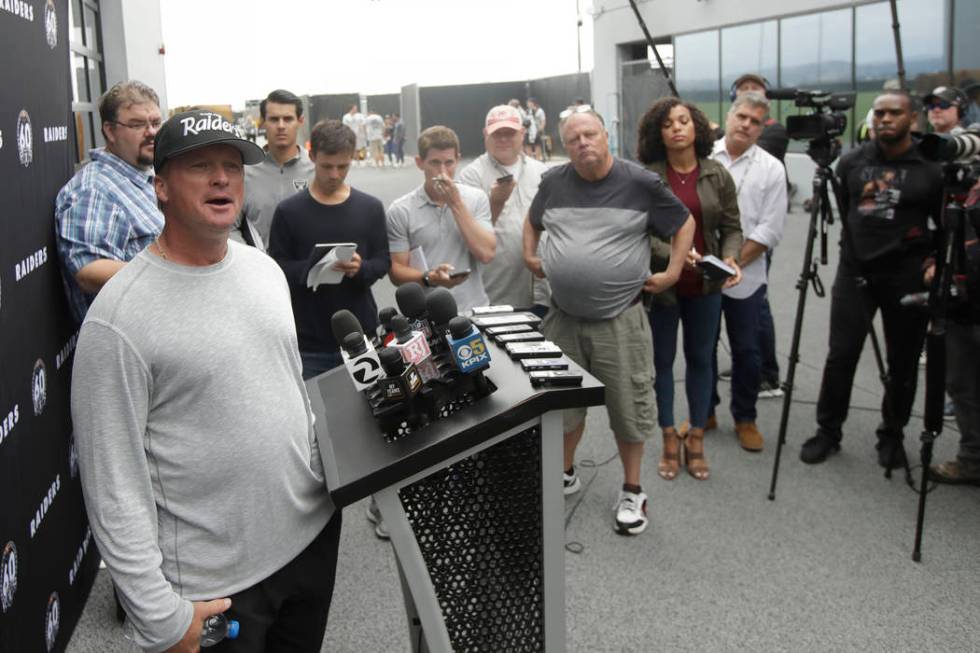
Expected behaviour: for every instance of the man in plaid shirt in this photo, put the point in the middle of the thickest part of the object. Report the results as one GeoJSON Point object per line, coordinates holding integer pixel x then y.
{"type": "Point", "coordinates": [107, 213]}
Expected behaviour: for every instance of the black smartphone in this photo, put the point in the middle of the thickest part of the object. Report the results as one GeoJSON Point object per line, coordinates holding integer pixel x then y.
{"type": "Point", "coordinates": [506, 179]}
{"type": "Point", "coordinates": [555, 377]}
{"type": "Point", "coordinates": [519, 350]}
{"type": "Point", "coordinates": [510, 328]}
{"type": "Point", "coordinates": [534, 364]}
{"type": "Point", "coordinates": [526, 336]}
{"type": "Point", "coordinates": [456, 274]}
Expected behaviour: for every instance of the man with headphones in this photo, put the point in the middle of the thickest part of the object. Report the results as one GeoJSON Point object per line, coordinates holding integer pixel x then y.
{"type": "Point", "coordinates": [774, 139]}
{"type": "Point", "coordinates": [944, 109]}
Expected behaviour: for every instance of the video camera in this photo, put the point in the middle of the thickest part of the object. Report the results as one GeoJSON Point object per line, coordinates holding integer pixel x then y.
{"type": "Point", "coordinates": [827, 120]}
{"type": "Point", "coordinates": [959, 154]}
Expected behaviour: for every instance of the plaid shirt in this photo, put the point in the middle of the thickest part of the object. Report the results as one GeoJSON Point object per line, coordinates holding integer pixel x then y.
{"type": "Point", "coordinates": [108, 210]}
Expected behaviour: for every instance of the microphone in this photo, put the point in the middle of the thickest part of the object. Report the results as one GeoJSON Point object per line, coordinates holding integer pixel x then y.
{"type": "Point", "coordinates": [468, 348]}
{"type": "Point", "coordinates": [361, 361]}
{"type": "Point", "coordinates": [411, 302]}
{"type": "Point", "coordinates": [442, 308]}
{"type": "Point", "coordinates": [385, 332]}
{"type": "Point", "coordinates": [343, 322]}
{"type": "Point", "coordinates": [401, 381]}
{"type": "Point", "coordinates": [414, 348]}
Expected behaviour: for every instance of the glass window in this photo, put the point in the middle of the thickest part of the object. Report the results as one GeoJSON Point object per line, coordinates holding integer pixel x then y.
{"type": "Point", "coordinates": [924, 48]}
{"type": "Point", "coordinates": [91, 28]}
{"type": "Point", "coordinates": [95, 79]}
{"type": "Point", "coordinates": [749, 49]}
{"type": "Point", "coordinates": [74, 13]}
{"type": "Point", "coordinates": [966, 54]}
{"type": "Point", "coordinates": [79, 83]}
{"type": "Point", "coordinates": [696, 71]}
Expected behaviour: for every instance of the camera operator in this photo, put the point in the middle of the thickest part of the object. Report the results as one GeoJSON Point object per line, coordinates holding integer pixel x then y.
{"type": "Point", "coordinates": [888, 192]}
{"type": "Point", "coordinates": [945, 107]}
{"type": "Point", "coordinates": [962, 372]}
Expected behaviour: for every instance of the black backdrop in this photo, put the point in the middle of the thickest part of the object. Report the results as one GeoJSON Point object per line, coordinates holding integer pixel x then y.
{"type": "Point", "coordinates": [324, 107]}
{"type": "Point", "coordinates": [47, 559]}
{"type": "Point", "coordinates": [464, 109]}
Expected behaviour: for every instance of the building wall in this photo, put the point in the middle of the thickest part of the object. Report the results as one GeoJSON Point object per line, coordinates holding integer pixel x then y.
{"type": "Point", "coordinates": [132, 35]}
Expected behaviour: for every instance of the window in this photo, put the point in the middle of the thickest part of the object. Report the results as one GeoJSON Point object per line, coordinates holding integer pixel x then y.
{"type": "Point", "coordinates": [88, 74]}
{"type": "Point", "coordinates": [696, 70]}
{"type": "Point", "coordinates": [749, 48]}
{"type": "Point", "coordinates": [966, 54]}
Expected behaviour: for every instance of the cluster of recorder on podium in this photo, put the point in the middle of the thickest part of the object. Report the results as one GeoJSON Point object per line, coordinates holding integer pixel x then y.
{"type": "Point", "coordinates": [428, 362]}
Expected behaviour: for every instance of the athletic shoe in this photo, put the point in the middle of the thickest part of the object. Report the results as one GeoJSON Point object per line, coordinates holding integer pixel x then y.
{"type": "Point", "coordinates": [949, 411]}
{"type": "Point", "coordinates": [725, 375]}
{"type": "Point", "coordinates": [770, 390]}
{"type": "Point", "coordinates": [956, 473]}
{"type": "Point", "coordinates": [572, 482]}
{"type": "Point", "coordinates": [374, 516]}
{"type": "Point", "coordinates": [816, 449]}
{"type": "Point", "coordinates": [631, 513]}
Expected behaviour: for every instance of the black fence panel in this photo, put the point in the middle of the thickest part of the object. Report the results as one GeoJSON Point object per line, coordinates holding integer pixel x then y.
{"type": "Point", "coordinates": [555, 94]}
{"type": "Point", "coordinates": [384, 104]}
{"type": "Point", "coordinates": [464, 108]}
{"type": "Point", "coordinates": [333, 106]}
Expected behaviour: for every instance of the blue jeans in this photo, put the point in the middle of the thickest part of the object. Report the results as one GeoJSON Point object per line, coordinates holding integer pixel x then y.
{"type": "Point", "coordinates": [742, 327]}
{"type": "Point", "coordinates": [316, 363]}
{"type": "Point", "coordinates": [767, 336]}
{"type": "Point", "coordinates": [699, 317]}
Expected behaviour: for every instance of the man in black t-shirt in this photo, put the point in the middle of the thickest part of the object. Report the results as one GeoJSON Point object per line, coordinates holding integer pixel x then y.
{"type": "Point", "coordinates": [330, 211]}
{"type": "Point", "coordinates": [888, 192]}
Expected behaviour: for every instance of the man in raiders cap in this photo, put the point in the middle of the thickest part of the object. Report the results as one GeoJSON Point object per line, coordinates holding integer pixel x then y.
{"type": "Point", "coordinates": [199, 461]}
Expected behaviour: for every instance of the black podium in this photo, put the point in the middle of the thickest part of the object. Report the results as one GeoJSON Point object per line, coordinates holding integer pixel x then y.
{"type": "Point", "coordinates": [473, 503]}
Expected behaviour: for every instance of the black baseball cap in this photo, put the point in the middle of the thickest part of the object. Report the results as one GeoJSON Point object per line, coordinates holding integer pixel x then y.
{"type": "Point", "coordinates": [950, 94]}
{"type": "Point", "coordinates": [190, 130]}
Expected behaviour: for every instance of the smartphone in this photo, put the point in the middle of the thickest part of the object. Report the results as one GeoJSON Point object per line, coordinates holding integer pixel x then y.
{"type": "Point", "coordinates": [555, 377]}
{"type": "Point", "coordinates": [492, 310]}
{"type": "Point", "coordinates": [526, 336]}
{"type": "Point", "coordinates": [535, 364]}
{"type": "Point", "coordinates": [456, 274]}
{"type": "Point", "coordinates": [484, 321]}
{"type": "Point", "coordinates": [510, 328]}
{"type": "Point", "coordinates": [506, 179]}
{"type": "Point", "coordinates": [519, 350]}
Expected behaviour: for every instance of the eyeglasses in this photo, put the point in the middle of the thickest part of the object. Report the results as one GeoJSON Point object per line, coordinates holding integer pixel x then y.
{"type": "Point", "coordinates": [941, 104]}
{"type": "Point", "coordinates": [140, 126]}
{"type": "Point", "coordinates": [580, 108]}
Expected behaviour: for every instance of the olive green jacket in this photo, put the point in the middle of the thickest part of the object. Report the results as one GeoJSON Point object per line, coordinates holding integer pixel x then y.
{"type": "Point", "coordinates": [720, 219]}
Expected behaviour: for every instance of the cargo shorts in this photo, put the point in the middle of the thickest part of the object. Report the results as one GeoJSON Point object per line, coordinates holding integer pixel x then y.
{"type": "Point", "coordinates": [618, 352]}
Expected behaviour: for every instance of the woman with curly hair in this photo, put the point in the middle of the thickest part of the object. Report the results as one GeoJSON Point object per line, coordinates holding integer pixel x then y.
{"type": "Point", "coordinates": [675, 140]}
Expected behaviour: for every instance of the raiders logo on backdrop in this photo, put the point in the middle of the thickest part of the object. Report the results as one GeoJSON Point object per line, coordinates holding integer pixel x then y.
{"type": "Point", "coordinates": [25, 139]}
{"type": "Point", "coordinates": [52, 620]}
{"type": "Point", "coordinates": [301, 184]}
{"type": "Point", "coordinates": [39, 387]}
{"type": "Point", "coordinates": [72, 457]}
{"type": "Point", "coordinates": [8, 576]}
{"type": "Point", "coordinates": [51, 24]}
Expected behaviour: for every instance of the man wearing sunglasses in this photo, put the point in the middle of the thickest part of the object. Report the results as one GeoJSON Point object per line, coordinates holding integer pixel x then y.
{"type": "Point", "coordinates": [944, 109]}
{"type": "Point", "coordinates": [107, 213]}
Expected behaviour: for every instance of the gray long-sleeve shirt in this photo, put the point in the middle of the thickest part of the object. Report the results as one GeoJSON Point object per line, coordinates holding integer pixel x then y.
{"type": "Point", "coordinates": [198, 457]}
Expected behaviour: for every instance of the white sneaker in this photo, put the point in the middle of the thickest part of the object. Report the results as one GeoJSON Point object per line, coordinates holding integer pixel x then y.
{"type": "Point", "coordinates": [374, 516]}
{"type": "Point", "coordinates": [572, 482]}
{"type": "Point", "coordinates": [631, 513]}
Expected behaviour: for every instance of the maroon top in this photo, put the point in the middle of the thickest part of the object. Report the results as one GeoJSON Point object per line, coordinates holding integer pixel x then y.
{"type": "Point", "coordinates": [685, 187]}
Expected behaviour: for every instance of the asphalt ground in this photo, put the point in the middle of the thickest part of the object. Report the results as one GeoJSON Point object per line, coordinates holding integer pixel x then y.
{"type": "Point", "coordinates": [825, 567]}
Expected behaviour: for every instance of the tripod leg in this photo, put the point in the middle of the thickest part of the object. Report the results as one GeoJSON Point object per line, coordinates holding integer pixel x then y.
{"type": "Point", "coordinates": [794, 351]}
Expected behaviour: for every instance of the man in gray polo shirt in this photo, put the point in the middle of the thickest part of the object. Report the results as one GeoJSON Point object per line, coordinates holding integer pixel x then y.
{"type": "Point", "coordinates": [286, 169]}
{"type": "Point", "coordinates": [440, 234]}
{"type": "Point", "coordinates": [599, 212]}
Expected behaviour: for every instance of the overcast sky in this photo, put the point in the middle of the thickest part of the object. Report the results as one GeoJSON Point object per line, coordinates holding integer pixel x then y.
{"type": "Point", "coordinates": [228, 51]}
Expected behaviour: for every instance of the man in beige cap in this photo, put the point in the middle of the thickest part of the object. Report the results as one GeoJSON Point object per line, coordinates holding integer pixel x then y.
{"type": "Point", "coordinates": [510, 178]}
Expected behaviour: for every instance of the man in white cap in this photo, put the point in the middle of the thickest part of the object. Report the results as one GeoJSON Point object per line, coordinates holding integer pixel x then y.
{"type": "Point", "coordinates": [199, 461]}
{"type": "Point", "coordinates": [510, 178]}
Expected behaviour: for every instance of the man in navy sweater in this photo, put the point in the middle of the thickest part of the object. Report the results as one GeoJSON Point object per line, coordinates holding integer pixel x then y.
{"type": "Point", "coordinates": [330, 211]}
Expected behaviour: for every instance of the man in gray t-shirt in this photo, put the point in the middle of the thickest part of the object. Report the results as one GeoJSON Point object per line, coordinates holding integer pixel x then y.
{"type": "Point", "coordinates": [198, 456]}
{"type": "Point", "coordinates": [440, 234]}
{"type": "Point", "coordinates": [599, 212]}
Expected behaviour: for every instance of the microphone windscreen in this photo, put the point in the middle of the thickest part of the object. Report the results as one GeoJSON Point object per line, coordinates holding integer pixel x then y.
{"type": "Point", "coordinates": [411, 299]}
{"type": "Point", "coordinates": [460, 326]}
{"type": "Point", "coordinates": [441, 305]}
{"type": "Point", "coordinates": [385, 315]}
{"type": "Point", "coordinates": [781, 93]}
{"type": "Point", "coordinates": [401, 327]}
{"type": "Point", "coordinates": [344, 322]}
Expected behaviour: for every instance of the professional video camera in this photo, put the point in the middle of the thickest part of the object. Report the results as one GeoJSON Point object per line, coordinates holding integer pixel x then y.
{"type": "Point", "coordinates": [959, 154]}
{"type": "Point", "coordinates": [822, 125]}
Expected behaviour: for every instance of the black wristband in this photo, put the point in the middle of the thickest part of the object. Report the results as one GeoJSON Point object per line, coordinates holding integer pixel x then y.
{"type": "Point", "coordinates": [425, 279]}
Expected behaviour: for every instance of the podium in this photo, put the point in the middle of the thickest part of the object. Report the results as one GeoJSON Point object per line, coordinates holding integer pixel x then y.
{"type": "Point", "coordinates": [473, 503]}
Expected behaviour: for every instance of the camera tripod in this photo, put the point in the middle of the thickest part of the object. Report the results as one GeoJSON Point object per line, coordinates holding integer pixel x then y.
{"type": "Point", "coordinates": [940, 296]}
{"type": "Point", "coordinates": [823, 152]}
